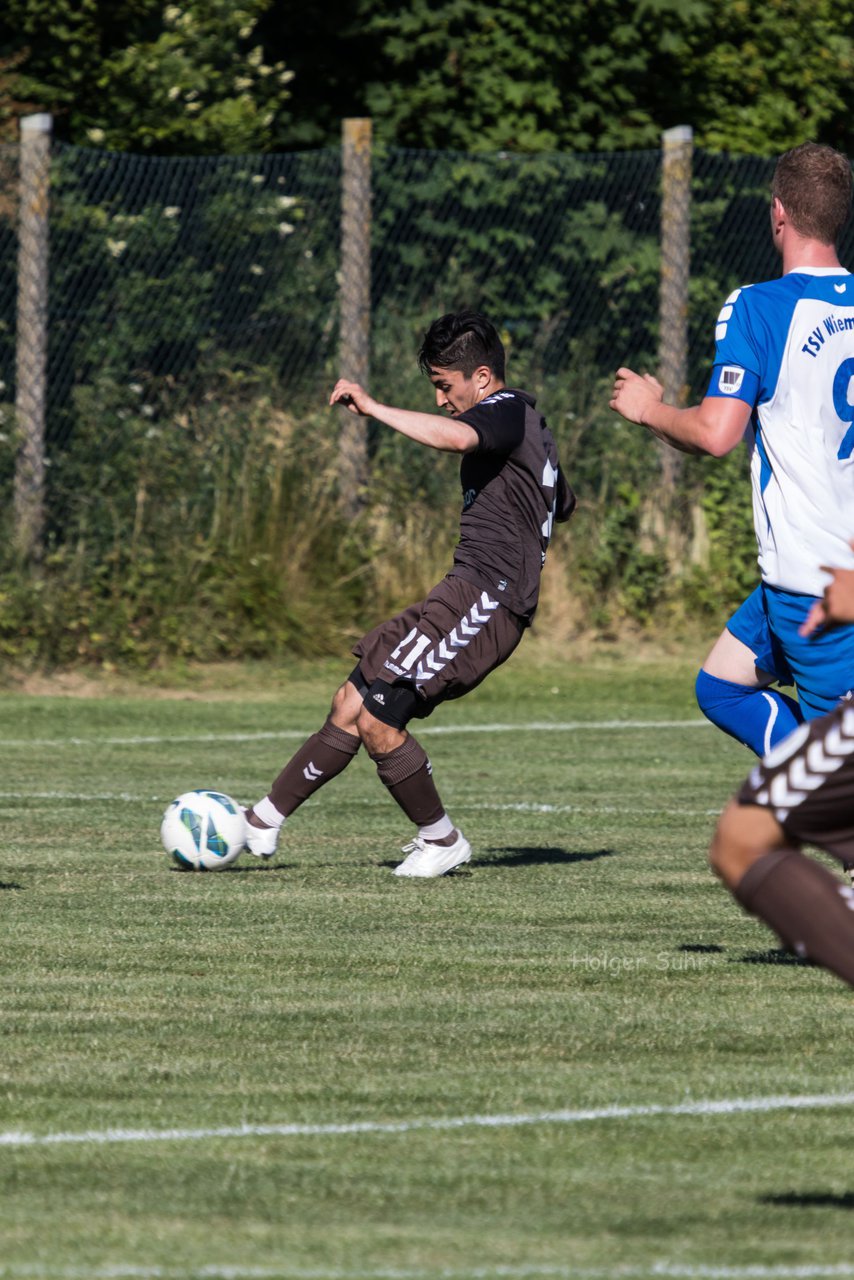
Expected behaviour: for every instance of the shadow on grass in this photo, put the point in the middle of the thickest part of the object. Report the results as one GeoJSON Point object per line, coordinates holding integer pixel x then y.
{"type": "Point", "coordinates": [9, 884]}
{"type": "Point", "coordinates": [701, 948]}
{"type": "Point", "coordinates": [529, 856]}
{"type": "Point", "coordinates": [243, 870]}
{"type": "Point", "coordinates": [778, 955]}
{"type": "Point", "coordinates": [267, 869]}
{"type": "Point", "coordinates": [811, 1200]}
{"type": "Point", "coordinates": [518, 857]}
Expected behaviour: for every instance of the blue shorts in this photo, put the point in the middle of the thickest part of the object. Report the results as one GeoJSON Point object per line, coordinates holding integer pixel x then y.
{"type": "Point", "coordinates": [821, 666]}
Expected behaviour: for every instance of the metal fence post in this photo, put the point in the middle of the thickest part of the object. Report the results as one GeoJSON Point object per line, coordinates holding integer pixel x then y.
{"type": "Point", "coordinates": [31, 341]}
{"type": "Point", "coordinates": [355, 301]}
{"type": "Point", "coordinates": [677, 148]}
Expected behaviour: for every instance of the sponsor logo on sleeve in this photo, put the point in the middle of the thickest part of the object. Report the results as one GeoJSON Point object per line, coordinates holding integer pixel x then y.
{"type": "Point", "coordinates": [730, 379]}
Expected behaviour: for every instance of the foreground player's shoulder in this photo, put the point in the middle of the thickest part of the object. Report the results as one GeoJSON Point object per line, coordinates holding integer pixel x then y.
{"type": "Point", "coordinates": [737, 355]}
{"type": "Point", "coordinates": [772, 302]}
{"type": "Point", "coordinates": [733, 315]}
{"type": "Point", "coordinates": [750, 333]}
{"type": "Point", "coordinates": [751, 300]}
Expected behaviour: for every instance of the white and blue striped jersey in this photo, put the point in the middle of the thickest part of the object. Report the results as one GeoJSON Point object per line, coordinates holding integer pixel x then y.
{"type": "Point", "coordinates": [786, 348]}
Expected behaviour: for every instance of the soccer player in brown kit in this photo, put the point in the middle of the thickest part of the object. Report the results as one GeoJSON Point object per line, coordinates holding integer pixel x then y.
{"type": "Point", "coordinates": [801, 793]}
{"type": "Point", "coordinates": [445, 645]}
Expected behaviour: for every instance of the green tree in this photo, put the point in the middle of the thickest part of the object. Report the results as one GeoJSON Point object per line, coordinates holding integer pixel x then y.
{"type": "Point", "coordinates": [202, 76]}
{"type": "Point", "coordinates": [768, 75]}
{"type": "Point", "coordinates": [751, 76]}
{"type": "Point", "coordinates": [526, 74]}
{"type": "Point", "coordinates": [143, 76]}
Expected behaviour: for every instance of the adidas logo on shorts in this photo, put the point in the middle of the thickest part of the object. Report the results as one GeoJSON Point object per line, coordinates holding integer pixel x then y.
{"type": "Point", "coordinates": [379, 697]}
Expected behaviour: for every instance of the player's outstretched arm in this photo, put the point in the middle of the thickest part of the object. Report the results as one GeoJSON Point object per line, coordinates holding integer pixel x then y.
{"type": "Point", "coordinates": [445, 434]}
{"type": "Point", "coordinates": [714, 426]}
{"type": "Point", "coordinates": [838, 603]}
{"type": "Point", "coordinates": [352, 396]}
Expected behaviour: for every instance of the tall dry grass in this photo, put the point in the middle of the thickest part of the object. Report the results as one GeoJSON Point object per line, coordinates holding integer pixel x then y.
{"type": "Point", "coordinates": [213, 531]}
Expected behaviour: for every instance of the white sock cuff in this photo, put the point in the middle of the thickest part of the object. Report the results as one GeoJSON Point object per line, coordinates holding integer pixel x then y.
{"type": "Point", "coordinates": [267, 812]}
{"type": "Point", "coordinates": [436, 830]}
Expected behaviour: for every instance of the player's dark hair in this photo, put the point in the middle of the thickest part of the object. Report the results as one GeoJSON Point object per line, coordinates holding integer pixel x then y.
{"type": "Point", "coordinates": [813, 184]}
{"type": "Point", "coordinates": [462, 340]}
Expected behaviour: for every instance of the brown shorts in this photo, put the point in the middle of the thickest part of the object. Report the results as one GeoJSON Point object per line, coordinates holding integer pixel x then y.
{"type": "Point", "coordinates": [807, 782]}
{"type": "Point", "coordinates": [435, 650]}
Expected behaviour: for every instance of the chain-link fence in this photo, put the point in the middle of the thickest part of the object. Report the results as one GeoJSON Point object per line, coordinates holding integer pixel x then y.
{"type": "Point", "coordinates": [163, 270]}
{"type": "Point", "coordinates": [167, 276]}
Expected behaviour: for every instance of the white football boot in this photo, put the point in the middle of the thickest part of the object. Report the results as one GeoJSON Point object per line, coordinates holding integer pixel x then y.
{"type": "Point", "coordinates": [261, 841]}
{"type": "Point", "coordinates": [426, 859]}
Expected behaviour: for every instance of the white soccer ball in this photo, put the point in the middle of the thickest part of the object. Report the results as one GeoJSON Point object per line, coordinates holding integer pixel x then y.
{"type": "Point", "coordinates": [203, 830]}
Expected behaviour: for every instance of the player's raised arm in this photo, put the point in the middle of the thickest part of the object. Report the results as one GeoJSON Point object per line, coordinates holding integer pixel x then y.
{"type": "Point", "coordinates": [715, 426]}
{"type": "Point", "coordinates": [430, 429]}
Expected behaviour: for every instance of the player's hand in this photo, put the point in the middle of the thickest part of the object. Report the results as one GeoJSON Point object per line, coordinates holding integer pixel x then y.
{"type": "Point", "coordinates": [634, 393]}
{"type": "Point", "coordinates": [837, 605]}
{"type": "Point", "coordinates": [352, 396]}
{"type": "Point", "coordinates": [817, 617]}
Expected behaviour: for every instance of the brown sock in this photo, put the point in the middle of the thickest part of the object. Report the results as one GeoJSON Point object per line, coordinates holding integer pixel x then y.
{"type": "Point", "coordinates": [406, 773]}
{"type": "Point", "coordinates": [326, 754]}
{"type": "Point", "coordinates": [805, 905]}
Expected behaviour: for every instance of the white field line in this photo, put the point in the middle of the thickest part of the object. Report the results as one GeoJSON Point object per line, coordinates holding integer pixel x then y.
{"type": "Point", "coordinates": [531, 806]}
{"type": "Point", "coordinates": [655, 1271]}
{"type": "Point", "coordinates": [281, 735]}
{"type": "Point", "coordinates": [725, 1107]}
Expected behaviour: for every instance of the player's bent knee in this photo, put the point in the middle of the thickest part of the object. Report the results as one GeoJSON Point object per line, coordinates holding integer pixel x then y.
{"type": "Point", "coordinates": [744, 834]}
{"type": "Point", "coordinates": [346, 705]}
{"type": "Point", "coordinates": [379, 738]}
{"type": "Point", "coordinates": [724, 842]}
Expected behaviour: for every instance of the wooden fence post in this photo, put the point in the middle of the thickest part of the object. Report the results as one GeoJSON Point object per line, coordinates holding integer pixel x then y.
{"type": "Point", "coordinates": [677, 148]}
{"type": "Point", "coordinates": [355, 302]}
{"type": "Point", "coordinates": [31, 338]}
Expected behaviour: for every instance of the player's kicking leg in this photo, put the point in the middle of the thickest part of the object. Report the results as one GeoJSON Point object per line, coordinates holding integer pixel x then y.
{"type": "Point", "coordinates": [402, 766]}
{"type": "Point", "coordinates": [801, 792]}
{"type": "Point", "coordinates": [320, 759]}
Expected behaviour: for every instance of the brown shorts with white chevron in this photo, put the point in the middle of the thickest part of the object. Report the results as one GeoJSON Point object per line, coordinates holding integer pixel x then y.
{"type": "Point", "coordinates": [807, 782]}
{"type": "Point", "coordinates": [433, 651]}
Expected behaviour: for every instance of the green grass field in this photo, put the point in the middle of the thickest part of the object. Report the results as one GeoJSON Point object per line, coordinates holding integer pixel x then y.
{"type": "Point", "coordinates": [307, 1030]}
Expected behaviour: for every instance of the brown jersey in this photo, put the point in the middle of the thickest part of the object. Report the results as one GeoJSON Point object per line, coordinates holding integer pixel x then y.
{"type": "Point", "coordinates": [513, 491]}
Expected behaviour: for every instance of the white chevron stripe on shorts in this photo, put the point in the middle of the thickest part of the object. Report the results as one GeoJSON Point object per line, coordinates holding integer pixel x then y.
{"type": "Point", "coordinates": [805, 772]}
{"type": "Point", "coordinates": [437, 658]}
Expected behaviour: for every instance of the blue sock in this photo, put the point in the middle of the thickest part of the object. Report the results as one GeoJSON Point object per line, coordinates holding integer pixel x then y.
{"type": "Point", "coordinates": [760, 718]}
